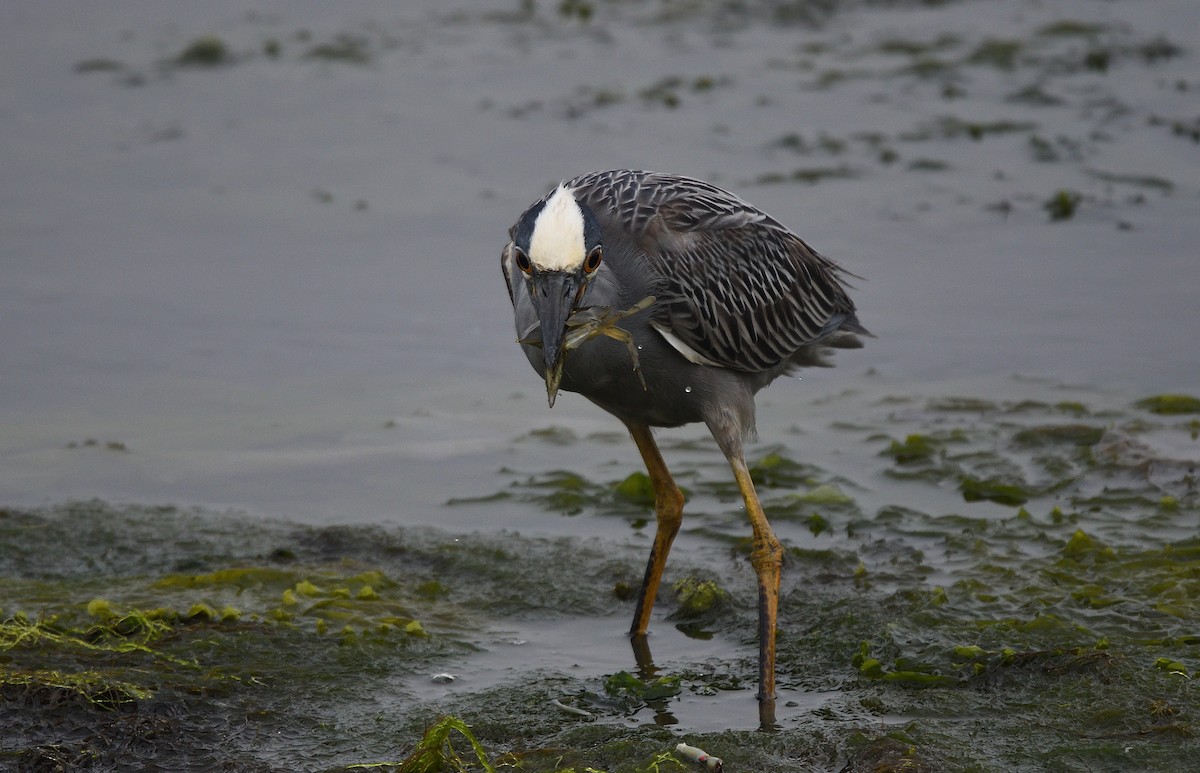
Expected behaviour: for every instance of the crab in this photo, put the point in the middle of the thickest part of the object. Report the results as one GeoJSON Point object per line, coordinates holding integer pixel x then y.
{"type": "Point", "coordinates": [586, 324]}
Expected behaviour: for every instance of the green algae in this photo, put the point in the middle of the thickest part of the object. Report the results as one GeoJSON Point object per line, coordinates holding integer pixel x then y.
{"type": "Point", "coordinates": [805, 175]}
{"type": "Point", "coordinates": [698, 598]}
{"type": "Point", "coordinates": [825, 494]}
{"type": "Point", "coordinates": [777, 470]}
{"type": "Point", "coordinates": [909, 47]}
{"type": "Point", "coordinates": [1053, 626]}
{"type": "Point", "coordinates": [1072, 28]}
{"type": "Point", "coordinates": [1137, 180]}
{"type": "Point", "coordinates": [570, 493]}
{"type": "Point", "coordinates": [998, 53]}
{"type": "Point", "coordinates": [1170, 405]}
{"type": "Point", "coordinates": [276, 616]}
{"type": "Point", "coordinates": [953, 127]}
{"type": "Point", "coordinates": [98, 64]}
{"type": "Point", "coordinates": [207, 51]}
{"type": "Point", "coordinates": [1063, 204]}
{"type": "Point", "coordinates": [993, 490]}
{"type": "Point", "coordinates": [961, 404]}
{"type": "Point", "coordinates": [1063, 626]}
{"type": "Point", "coordinates": [914, 448]}
{"type": "Point", "coordinates": [435, 751]}
{"type": "Point", "coordinates": [927, 165]}
{"type": "Point", "coordinates": [1049, 650]}
{"type": "Point", "coordinates": [1095, 597]}
{"type": "Point", "coordinates": [632, 691]}
{"type": "Point", "coordinates": [637, 488]}
{"type": "Point", "coordinates": [345, 47]}
{"type": "Point", "coordinates": [558, 436]}
{"type": "Point", "coordinates": [1054, 434]}
{"type": "Point", "coordinates": [96, 688]}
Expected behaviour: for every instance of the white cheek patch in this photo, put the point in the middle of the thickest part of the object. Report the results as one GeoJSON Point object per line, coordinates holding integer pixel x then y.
{"type": "Point", "coordinates": [557, 240]}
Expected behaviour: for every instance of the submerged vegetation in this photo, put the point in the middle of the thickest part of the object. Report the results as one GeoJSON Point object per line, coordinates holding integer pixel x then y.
{"type": "Point", "coordinates": [1053, 80]}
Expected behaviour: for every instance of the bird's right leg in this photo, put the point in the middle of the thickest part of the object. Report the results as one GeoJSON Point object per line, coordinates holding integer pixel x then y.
{"type": "Point", "coordinates": [766, 556]}
{"type": "Point", "coordinates": [767, 559]}
{"type": "Point", "coordinates": [668, 509]}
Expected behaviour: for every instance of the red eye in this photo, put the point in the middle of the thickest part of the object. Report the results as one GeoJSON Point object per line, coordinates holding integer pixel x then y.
{"type": "Point", "coordinates": [523, 262]}
{"type": "Point", "coordinates": [592, 261]}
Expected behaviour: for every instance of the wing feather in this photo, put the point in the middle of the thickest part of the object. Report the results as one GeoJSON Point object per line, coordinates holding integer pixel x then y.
{"type": "Point", "coordinates": [739, 288]}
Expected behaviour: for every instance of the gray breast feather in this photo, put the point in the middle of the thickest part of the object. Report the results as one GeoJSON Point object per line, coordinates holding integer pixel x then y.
{"type": "Point", "coordinates": [738, 287]}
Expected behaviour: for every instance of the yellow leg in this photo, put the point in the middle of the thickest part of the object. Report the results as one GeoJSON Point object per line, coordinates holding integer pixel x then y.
{"type": "Point", "coordinates": [767, 559]}
{"type": "Point", "coordinates": [668, 508]}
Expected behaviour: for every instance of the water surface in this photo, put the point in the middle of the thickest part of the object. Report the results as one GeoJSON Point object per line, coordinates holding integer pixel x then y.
{"type": "Point", "coordinates": [267, 284]}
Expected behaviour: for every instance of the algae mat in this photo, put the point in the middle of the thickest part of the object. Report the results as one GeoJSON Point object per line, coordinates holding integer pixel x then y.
{"type": "Point", "coordinates": [1047, 622]}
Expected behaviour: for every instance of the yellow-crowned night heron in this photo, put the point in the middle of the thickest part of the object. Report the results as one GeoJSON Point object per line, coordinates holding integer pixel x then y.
{"type": "Point", "coordinates": [737, 300]}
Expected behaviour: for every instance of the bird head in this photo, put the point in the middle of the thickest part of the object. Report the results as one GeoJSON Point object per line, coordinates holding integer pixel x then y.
{"type": "Point", "coordinates": [556, 251]}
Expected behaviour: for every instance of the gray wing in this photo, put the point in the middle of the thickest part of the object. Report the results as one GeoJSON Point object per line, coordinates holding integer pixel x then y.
{"type": "Point", "coordinates": [740, 289]}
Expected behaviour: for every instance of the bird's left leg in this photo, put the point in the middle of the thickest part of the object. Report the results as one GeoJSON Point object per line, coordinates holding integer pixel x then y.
{"type": "Point", "coordinates": [668, 509]}
{"type": "Point", "coordinates": [767, 559]}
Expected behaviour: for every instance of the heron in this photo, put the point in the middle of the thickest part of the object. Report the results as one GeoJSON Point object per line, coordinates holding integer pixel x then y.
{"type": "Point", "coordinates": [666, 300]}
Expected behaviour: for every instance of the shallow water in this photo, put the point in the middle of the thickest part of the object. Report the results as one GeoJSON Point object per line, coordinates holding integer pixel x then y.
{"type": "Point", "coordinates": [270, 287]}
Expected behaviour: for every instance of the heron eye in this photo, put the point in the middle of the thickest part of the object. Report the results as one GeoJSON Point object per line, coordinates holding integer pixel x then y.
{"type": "Point", "coordinates": [592, 261]}
{"type": "Point", "coordinates": [523, 262]}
